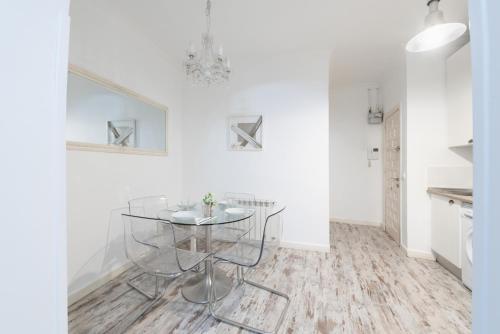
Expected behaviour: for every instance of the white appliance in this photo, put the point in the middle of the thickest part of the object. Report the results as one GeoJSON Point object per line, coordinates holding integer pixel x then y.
{"type": "Point", "coordinates": [467, 217]}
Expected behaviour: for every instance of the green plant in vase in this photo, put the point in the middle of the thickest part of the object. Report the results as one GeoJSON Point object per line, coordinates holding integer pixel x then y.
{"type": "Point", "coordinates": [208, 203]}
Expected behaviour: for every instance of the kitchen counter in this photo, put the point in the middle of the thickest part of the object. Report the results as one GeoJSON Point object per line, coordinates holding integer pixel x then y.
{"type": "Point", "coordinates": [456, 194]}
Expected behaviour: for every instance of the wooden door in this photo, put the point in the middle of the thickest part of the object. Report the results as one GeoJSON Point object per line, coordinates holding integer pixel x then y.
{"type": "Point", "coordinates": [392, 177]}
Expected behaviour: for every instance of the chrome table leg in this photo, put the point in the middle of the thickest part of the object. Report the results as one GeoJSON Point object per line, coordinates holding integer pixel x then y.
{"type": "Point", "coordinates": [197, 288]}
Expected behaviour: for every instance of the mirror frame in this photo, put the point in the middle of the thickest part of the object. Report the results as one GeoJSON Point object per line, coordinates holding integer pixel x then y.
{"type": "Point", "coordinates": [114, 87]}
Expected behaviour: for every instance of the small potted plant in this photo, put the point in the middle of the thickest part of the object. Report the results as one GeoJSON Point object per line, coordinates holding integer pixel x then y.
{"type": "Point", "coordinates": [208, 204]}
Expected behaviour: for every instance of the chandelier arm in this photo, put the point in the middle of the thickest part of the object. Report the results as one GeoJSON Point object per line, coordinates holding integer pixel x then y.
{"type": "Point", "coordinates": [207, 13]}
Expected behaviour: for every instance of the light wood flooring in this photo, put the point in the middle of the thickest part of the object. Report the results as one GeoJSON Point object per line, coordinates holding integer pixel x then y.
{"type": "Point", "coordinates": [364, 285]}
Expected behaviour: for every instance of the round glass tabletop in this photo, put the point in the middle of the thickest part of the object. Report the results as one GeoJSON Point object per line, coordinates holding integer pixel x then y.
{"type": "Point", "coordinates": [197, 214]}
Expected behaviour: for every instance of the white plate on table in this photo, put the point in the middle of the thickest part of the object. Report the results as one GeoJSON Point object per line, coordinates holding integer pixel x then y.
{"type": "Point", "coordinates": [236, 213]}
{"type": "Point", "coordinates": [190, 217]}
{"type": "Point", "coordinates": [222, 205]}
{"type": "Point", "coordinates": [186, 206]}
{"type": "Point", "coordinates": [184, 216]}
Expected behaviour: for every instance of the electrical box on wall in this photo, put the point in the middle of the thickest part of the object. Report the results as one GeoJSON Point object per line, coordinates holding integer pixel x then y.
{"type": "Point", "coordinates": [373, 153]}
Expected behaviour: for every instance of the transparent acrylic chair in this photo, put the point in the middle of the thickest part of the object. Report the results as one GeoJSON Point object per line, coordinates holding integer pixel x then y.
{"type": "Point", "coordinates": [231, 233]}
{"type": "Point", "coordinates": [156, 252]}
{"type": "Point", "coordinates": [150, 207]}
{"type": "Point", "coordinates": [250, 251]}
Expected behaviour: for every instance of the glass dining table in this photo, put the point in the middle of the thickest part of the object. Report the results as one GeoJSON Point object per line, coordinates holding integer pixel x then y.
{"type": "Point", "coordinates": [196, 288]}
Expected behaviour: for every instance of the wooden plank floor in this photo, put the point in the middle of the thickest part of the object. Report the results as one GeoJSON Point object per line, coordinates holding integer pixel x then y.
{"type": "Point", "coordinates": [365, 285]}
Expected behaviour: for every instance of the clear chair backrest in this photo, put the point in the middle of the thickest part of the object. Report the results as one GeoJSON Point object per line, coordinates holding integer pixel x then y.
{"type": "Point", "coordinates": [268, 231]}
{"type": "Point", "coordinates": [273, 227]}
{"type": "Point", "coordinates": [242, 200]}
{"type": "Point", "coordinates": [143, 240]}
{"type": "Point", "coordinates": [263, 209]}
{"type": "Point", "coordinates": [156, 250]}
{"type": "Point", "coordinates": [148, 206]}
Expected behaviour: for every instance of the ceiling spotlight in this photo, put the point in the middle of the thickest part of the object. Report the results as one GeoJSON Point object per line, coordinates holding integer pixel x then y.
{"type": "Point", "coordinates": [437, 32]}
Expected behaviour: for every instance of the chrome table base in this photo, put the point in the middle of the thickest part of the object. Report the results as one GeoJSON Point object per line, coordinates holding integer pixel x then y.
{"type": "Point", "coordinates": [196, 288]}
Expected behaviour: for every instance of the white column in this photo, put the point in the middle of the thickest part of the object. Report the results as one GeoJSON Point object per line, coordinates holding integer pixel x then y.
{"type": "Point", "coordinates": [33, 66]}
{"type": "Point", "coordinates": [485, 32]}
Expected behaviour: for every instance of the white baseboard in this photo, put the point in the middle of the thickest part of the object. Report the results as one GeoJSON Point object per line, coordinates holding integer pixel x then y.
{"type": "Point", "coordinates": [303, 246]}
{"type": "Point", "coordinates": [79, 294]}
{"type": "Point", "coordinates": [418, 254]}
{"type": "Point", "coordinates": [355, 222]}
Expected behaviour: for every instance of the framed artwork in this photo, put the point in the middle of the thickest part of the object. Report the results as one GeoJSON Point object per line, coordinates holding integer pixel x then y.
{"type": "Point", "coordinates": [121, 132]}
{"type": "Point", "coordinates": [245, 133]}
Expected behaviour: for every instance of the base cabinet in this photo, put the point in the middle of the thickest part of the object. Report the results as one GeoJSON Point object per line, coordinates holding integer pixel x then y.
{"type": "Point", "coordinates": [446, 229]}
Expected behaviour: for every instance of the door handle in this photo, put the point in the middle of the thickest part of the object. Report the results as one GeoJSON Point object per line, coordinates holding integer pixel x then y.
{"type": "Point", "coordinates": [395, 178]}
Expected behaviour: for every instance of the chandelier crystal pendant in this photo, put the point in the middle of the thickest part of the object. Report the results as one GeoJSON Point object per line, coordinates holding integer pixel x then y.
{"type": "Point", "coordinates": [205, 67]}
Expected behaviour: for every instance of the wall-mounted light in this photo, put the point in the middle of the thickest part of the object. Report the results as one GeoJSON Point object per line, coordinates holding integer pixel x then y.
{"type": "Point", "coordinates": [375, 109]}
{"type": "Point", "coordinates": [437, 32]}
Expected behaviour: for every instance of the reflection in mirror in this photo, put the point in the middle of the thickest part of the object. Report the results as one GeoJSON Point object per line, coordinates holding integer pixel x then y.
{"type": "Point", "coordinates": [103, 116]}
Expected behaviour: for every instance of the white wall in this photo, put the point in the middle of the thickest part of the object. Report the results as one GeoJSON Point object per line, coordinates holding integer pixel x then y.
{"type": "Point", "coordinates": [291, 92]}
{"type": "Point", "coordinates": [97, 183]}
{"type": "Point", "coordinates": [34, 38]}
{"type": "Point", "coordinates": [393, 88]}
{"type": "Point", "coordinates": [331, 137]}
{"type": "Point", "coordinates": [427, 144]}
{"type": "Point", "coordinates": [357, 192]}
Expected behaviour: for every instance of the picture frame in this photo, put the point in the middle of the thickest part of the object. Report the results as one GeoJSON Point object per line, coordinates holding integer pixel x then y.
{"type": "Point", "coordinates": [245, 133]}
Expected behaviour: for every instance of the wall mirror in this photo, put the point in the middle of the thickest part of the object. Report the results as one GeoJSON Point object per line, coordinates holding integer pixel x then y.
{"type": "Point", "coordinates": [104, 116]}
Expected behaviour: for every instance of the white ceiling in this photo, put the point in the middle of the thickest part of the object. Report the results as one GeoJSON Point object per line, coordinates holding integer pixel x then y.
{"type": "Point", "coordinates": [366, 37]}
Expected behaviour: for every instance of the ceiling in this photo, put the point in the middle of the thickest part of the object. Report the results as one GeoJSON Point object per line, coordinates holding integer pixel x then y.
{"type": "Point", "coordinates": [366, 37]}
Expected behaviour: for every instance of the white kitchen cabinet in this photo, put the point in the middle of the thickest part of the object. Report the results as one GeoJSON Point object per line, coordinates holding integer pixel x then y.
{"type": "Point", "coordinates": [446, 229]}
{"type": "Point", "coordinates": [459, 97]}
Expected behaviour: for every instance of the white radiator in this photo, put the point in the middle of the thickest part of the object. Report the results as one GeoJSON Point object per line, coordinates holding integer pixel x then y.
{"type": "Point", "coordinates": [263, 209]}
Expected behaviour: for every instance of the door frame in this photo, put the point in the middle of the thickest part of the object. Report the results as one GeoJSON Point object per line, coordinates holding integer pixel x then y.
{"type": "Point", "coordinates": [395, 109]}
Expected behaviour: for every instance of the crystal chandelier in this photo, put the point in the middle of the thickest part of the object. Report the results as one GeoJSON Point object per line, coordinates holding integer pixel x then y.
{"type": "Point", "coordinates": [205, 67]}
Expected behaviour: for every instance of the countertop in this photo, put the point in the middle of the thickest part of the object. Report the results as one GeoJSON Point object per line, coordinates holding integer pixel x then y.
{"type": "Point", "coordinates": [451, 193]}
